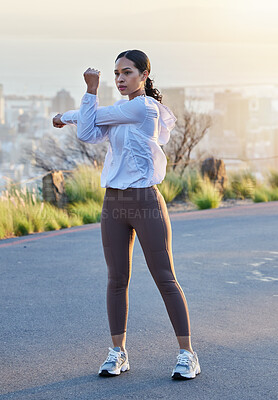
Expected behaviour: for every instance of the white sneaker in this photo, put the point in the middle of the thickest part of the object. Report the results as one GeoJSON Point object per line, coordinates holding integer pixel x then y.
{"type": "Point", "coordinates": [187, 366]}
{"type": "Point", "coordinates": [115, 363]}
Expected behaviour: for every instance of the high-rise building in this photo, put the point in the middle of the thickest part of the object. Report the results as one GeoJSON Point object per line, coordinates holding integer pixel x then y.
{"type": "Point", "coordinates": [174, 98]}
{"type": "Point", "coordinates": [105, 94]}
{"type": "Point", "coordinates": [62, 102]}
{"type": "Point", "coordinates": [232, 111]}
{"type": "Point", "coordinates": [261, 111]}
{"type": "Point", "coordinates": [34, 106]}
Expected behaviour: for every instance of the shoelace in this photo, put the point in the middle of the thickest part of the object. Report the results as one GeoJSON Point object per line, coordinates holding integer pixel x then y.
{"type": "Point", "coordinates": [112, 356]}
{"type": "Point", "coordinates": [184, 359]}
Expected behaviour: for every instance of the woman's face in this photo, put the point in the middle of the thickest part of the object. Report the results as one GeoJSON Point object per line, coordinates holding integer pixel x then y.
{"type": "Point", "coordinates": [128, 78]}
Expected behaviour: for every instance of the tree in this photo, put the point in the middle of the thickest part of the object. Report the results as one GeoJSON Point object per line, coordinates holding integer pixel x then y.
{"type": "Point", "coordinates": [64, 154]}
{"type": "Point", "coordinates": [190, 128]}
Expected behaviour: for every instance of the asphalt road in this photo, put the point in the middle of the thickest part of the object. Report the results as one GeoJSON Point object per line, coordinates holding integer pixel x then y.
{"type": "Point", "coordinates": [54, 328]}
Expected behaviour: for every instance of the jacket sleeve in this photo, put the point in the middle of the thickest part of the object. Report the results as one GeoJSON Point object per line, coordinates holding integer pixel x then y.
{"type": "Point", "coordinates": [99, 134]}
{"type": "Point", "coordinates": [93, 122]}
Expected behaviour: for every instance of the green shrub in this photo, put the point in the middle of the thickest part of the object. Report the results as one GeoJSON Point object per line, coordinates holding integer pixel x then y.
{"type": "Point", "coordinates": [62, 219]}
{"type": "Point", "coordinates": [174, 178]}
{"type": "Point", "coordinates": [260, 195]}
{"type": "Point", "coordinates": [170, 189]}
{"type": "Point", "coordinates": [21, 225]}
{"type": "Point", "coordinates": [35, 215]}
{"type": "Point", "coordinates": [207, 196]}
{"type": "Point", "coordinates": [51, 225]}
{"type": "Point", "coordinates": [192, 181]}
{"type": "Point", "coordinates": [241, 184]}
{"type": "Point", "coordinates": [2, 232]}
{"type": "Point", "coordinates": [6, 219]}
{"type": "Point", "coordinates": [89, 212]}
{"type": "Point", "coordinates": [55, 217]}
{"type": "Point", "coordinates": [22, 212]}
{"type": "Point", "coordinates": [228, 193]}
{"type": "Point", "coordinates": [273, 179]}
{"type": "Point", "coordinates": [175, 186]}
{"type": "Point", "coordinates": [36, 221]}
{"type": "Point", "coordinates": [273, 194]}
{"type": "Point", "coordinates": [75, 220]}
{"type": "Point", "coordinates": [84, 184]}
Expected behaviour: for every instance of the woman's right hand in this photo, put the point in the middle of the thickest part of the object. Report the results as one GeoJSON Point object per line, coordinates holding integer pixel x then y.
{"type": "Point", "coordinates": [91, 77]}
{"type": "Point", "coordinates": [57, 123]}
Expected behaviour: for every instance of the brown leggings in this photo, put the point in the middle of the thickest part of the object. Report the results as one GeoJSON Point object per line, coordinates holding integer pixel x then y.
{"type": "Point", "coordinates": [126, 212]}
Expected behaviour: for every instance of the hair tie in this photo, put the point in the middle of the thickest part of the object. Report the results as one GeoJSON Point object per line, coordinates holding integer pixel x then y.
{"type": "Point", "coordinates": [149, 83]}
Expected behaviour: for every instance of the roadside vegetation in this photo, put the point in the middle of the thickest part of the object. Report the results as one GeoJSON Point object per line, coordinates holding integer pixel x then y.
{"type": "Point", "coordinates": [23, 211]}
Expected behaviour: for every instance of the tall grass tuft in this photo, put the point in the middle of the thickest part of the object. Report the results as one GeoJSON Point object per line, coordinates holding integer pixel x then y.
{"type": "Point", "coordinates": [273, 194]}
{"type": "Point", "coordinates": [273, 178]}
{"type": "Point", "coordinates": [192, 181]}
{"type": "Point", "coordinates": [260, 195]}
{"type": "Point", "coordinates": [170, 187]}
{"type": "Point", "coordinates": [55, 217]}
{"type": "Point", "coordinates": [241, 185]}
{"type": "Point", "coordinates": [75, 220]}
{"type": "Point", "coordinates": [84, 184]}
{"type": "Point", "coordinates": [21, 225]}
{"type": "Point", "coordinates": [6, 218]}
{"type": "Point", "coordinates": [206, 196]}
{"type": "Point", "coordinates": [263, 194]}
{"type": "Point", "coordinates": [89, 212]}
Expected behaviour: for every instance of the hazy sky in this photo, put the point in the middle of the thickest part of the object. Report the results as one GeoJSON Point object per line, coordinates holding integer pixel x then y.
{"type": "Point", "coordinates": [174, 20]}
{"type": "Point", "coordinates": [47, 45]}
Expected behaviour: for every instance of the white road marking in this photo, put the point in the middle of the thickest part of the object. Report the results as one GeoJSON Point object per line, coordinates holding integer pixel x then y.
{"type": "Point", "coordinates": [259, 276]}
{"type": "Point", "coordinates": [256, 273]}
{"type": "Point", "coordinates": [257, 264]}
{"type": "Point", "coordinates": [268, 279]}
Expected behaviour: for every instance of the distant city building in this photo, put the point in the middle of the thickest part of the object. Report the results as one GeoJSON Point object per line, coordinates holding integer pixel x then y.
{"type": "Point", "coordinates": [262, 112]}
{"type": "Point", "coordinates": [174, 98]}
{"type": "Point", "coordinates": [62, 102]}
{"type": "Point", "coordinates": [33, 106]}
{"type": "Point", "coordinates": [263, 132]}
{"type": "Point", "coordinates": [244, 128]}
{"type": "Point", "coordinates": [2, 106]}
{"type": "Point", "coordinates": [275, 148]}
{"type": "Point", "coordinates": [105, 94]}
{"type": "Point", "coordinates": [24, 123]}
{"type": "Point", "coordinates": [230, 128]}
{"type": "Point", "coordinates": [244, 124]}
{"type": "Point", "coordinates": [199, 100]}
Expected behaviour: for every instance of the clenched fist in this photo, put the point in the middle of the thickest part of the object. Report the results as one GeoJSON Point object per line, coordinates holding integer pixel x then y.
{"type": "Point", "coordinates": [57, 123]}
{"type": "Point", "coordinates": [91, 77]}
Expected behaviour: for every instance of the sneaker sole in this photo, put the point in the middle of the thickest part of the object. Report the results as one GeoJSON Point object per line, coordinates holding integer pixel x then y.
{"type": "Point", "coordinates": [105, 372]}
{"type": "Point", "coordinates": [178, 376]}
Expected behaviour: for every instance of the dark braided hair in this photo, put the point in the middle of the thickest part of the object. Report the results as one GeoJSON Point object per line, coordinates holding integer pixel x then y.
{"type": "Point", "coordinates": [142, 62]}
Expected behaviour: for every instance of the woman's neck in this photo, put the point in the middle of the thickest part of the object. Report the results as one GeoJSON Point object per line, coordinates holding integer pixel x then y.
{"type": "Point", "coordinates": [139, 92]}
